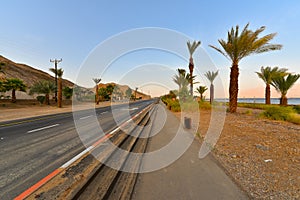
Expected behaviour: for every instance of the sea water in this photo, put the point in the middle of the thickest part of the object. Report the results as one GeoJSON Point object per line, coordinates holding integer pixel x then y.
{"type": "Point", "coordinates": [291, 101]}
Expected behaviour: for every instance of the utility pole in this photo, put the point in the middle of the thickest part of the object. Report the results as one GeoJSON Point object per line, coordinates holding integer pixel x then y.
{"type": "Point", "coordinates": [55, 61]}
{"type": "Point", "coordinates": [135, 93]}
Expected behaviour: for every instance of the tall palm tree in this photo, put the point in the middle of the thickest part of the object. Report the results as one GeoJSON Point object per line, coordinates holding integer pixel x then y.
{"type": "Point", "coordinates": [210, 75]}
{"type": "Point", "coordinates": [201, 90]}
{"type": "Point", "coordinates": [267, 75]}
{"type": "Point", "coordinates": [97, 81]}
{"type": "Point", "coordinates": [14, 84]}
{"type": "Point", "coordinates": [192, 47]}
{"type": "Point", "coordinates": [238, 46]}
{"type": "Point", "coordinates": [60, 73]}
{"type": "Point", "coordinates": [43, 87]}
{"type": "Point", "coordinates": [282, 84]}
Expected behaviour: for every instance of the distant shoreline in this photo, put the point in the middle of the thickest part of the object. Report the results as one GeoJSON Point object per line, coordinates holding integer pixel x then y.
{"type": "Point", "coordinates": [291, 101]}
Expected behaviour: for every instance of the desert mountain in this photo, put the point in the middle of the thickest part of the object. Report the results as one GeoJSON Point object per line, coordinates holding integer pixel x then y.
{"type": "Point", "coordinates": [28, 74]}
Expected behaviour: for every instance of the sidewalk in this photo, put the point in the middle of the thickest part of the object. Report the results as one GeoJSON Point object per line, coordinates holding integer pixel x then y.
{"type": "Point", "coordinates": [186, 178]}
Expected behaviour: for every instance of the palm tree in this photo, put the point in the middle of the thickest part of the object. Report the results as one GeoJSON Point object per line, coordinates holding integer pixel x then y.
{"type": "Point", "coordinates": [182, 80]}
{"type": "Point", "coordinates": [60, 73]}
{"type": "Point", "coordinates": [192, 47]}
{"type": "Point", "coordinates": [282, 84]}
{"type": "Point", "coordinates": [14, 84]}
{"type": "Point", "coordinates": [211, 77]}
{"type": "Point", "coordinates": [267, 75]}
{"type": "Point", "coordinates": [43, 87]}
{"type": "Point", "coordinates": [239, 46]}
{"type": "Point", "coordinates": [97, 81]}
{"type": "Point", "coordinates": [201, 90]}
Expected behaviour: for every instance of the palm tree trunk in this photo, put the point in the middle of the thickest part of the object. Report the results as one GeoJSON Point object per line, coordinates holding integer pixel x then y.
{"type": "Point", "coordinates": [97, 95]}
{"type": "Point", "coordinates": [201, 97]}
{"type": "Point", "coordinates": [59, 95]}
{"type": "Point", "coordinates": [233, 87]}
{"type": "Point", "coordinates": [191, 68]}
{"type": "Point", "coordinates": [211, 100]}
{"type": "Point", "coordinates": [283, 100]}
{"type": "Point", "coordinates": [47, 101]}
{"type": "Point", "coordinates": [13, 96]}
{"type": "Point", "coordinates": [268, 94]}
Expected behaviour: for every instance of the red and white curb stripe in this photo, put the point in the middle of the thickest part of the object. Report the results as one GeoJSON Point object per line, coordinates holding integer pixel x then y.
{"type": "Point", "coordinates": [43, 181]}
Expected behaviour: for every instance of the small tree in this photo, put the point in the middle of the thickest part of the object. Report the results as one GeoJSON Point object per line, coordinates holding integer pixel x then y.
{"type": "Point", "coordinates": [43, 87]}
{"type": "Point", "coordinates": [14, 84]}
{"type": "Point", "coordinates": [211, 77]}
{"type": "Point", "coordinates": [182, 80]}
{"type": "Point", "coordinates": [282, 84]}
{"type": "Point", "coordinates": [128, 93]}
{"type": "Point", "coordinates": [67, 92]}
{"type": "Point", "coordinates": [97, 81]}
{"type": "Point", "coordinates": [201, 90]}
{"type": "Point", "coordinates": [2, 86]}
{"type": "Point", "coordinates": [102, 92]}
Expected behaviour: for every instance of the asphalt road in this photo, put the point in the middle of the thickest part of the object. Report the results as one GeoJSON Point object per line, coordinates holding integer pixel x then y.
{"type": "Point", "coordinates": [34, 147]}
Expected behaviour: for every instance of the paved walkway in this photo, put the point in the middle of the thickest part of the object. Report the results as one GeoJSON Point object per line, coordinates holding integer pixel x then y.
{"type": "Point", "coordinates": [188, 177]}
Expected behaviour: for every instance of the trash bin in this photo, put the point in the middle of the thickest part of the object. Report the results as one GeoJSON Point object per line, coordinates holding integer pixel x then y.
{"type": "Point", "coordinates": [187, 122]}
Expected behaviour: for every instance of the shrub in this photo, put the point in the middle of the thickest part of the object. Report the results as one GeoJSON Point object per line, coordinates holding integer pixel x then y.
{"type": "Point", "coordinates": [205, 105]}
{"type": "Point", "coordinates": [41, 99]}
{"type": "Point", "coordinates": [278, 113]}
{"type": "Point", "coordinates": [297, 109]}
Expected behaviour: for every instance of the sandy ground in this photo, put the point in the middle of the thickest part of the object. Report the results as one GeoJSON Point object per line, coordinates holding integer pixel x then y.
{"type": "Point", "coordinates": [262, 156]}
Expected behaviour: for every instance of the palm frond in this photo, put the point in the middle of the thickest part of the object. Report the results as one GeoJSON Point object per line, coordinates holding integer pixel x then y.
{"type": "Point", "coordinates": [192, 46]}
{"type": "Point", "coordinates": [242, 44]}
{"type": "Point", "coordinates": [210, 75]}
{"type": "Point", "coordinates": [97, 80]}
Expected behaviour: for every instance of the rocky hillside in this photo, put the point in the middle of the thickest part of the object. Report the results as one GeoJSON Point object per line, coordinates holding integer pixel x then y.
{"type": "Point", "coordinates": [28, 74]}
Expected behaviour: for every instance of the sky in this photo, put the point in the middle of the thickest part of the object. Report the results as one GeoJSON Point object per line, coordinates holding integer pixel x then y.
{"type": "Point", "coordinates": [33, 32]}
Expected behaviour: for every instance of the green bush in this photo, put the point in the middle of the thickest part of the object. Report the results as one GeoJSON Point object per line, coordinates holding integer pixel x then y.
{"type": "Point", "coordinates": [278, 113]}
{"type": "Point", "coordinates": [255, 106]}
{"type": "Point", "coordinates": [205, 105]}
{"type": "Point", "coordinates": [41, 99]}
{"type": "Point", "coordinates": [297, 109]}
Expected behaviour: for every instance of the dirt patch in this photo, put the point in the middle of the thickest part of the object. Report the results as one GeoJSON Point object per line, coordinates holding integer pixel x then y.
{"type": "Point", "coordinates": [262, 156]}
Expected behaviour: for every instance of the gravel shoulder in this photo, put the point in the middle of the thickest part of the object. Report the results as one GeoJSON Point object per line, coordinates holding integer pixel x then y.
{"type": "Point", "coordinates": [260, 155]}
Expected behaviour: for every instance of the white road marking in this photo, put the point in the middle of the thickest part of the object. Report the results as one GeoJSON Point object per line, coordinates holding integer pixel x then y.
{"type": "Point", "coordinates": [67, 164]}
{"type": "Point", "coordinates": [129, 108]}
{"type": "Point", "coordinates": [104, 112]}
{"type": "Point", "coordinates": [85, 117]}
{"type": "Point", "coordinates": [39, 129]}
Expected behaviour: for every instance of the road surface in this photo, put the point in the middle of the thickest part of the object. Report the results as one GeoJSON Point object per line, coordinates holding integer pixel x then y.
{"type": "Point", "coordinates": [34, 147]}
